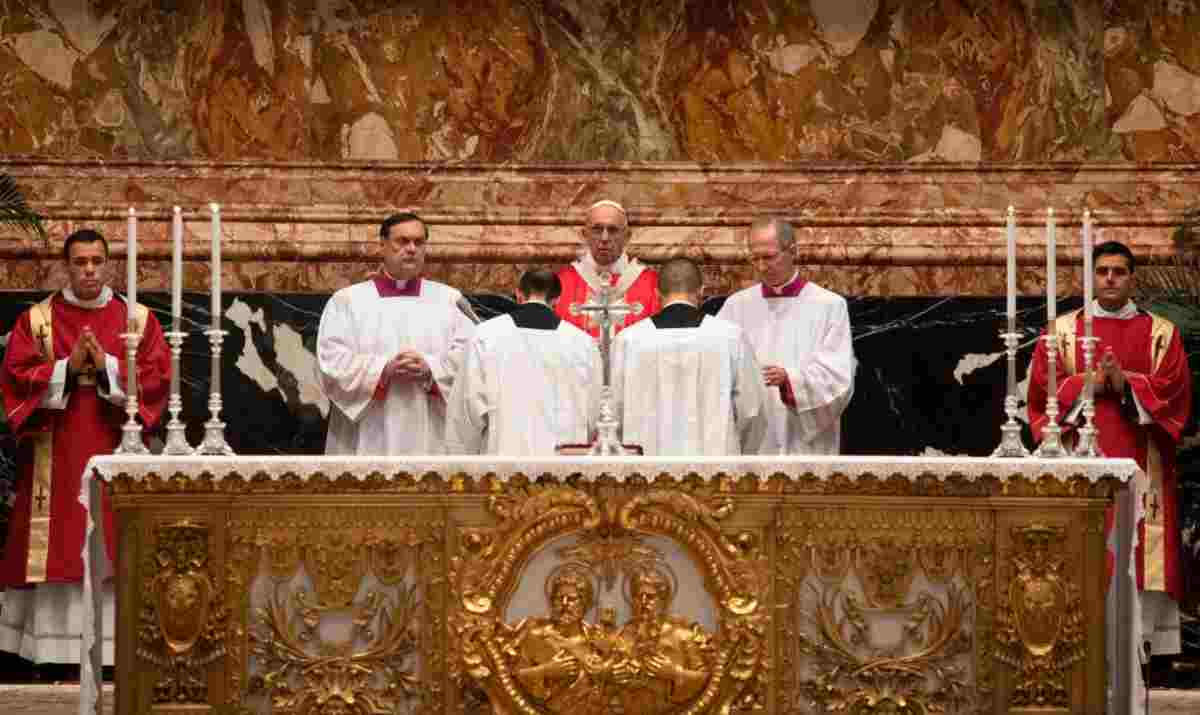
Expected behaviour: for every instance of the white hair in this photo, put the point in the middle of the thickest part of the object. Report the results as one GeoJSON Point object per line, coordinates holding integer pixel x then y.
{"type": "Point", "coordinates": [611, 204]}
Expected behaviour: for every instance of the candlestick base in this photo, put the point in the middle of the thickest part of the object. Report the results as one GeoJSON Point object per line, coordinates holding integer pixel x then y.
{"type": "Point", "coordinates": [1088, 446]}
{"type": "Point", "coordinates": [177, 444]}
{"type": "Point", "coordinates": [1011, 446]}
{"type": "Point", "coordinates": [131, 439]}
{"type": "Point", "coordinates": [608, 443]}
{"type": "Point", "coordinates": [214, 444]}
{"type": "Point", "coordinates": [1051, 446]}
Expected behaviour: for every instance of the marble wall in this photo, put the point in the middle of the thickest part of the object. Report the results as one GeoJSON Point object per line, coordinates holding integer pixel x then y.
{"type": "Point", "coordinates": [612, 80]}
{"type": "Point", "coordinates": [893, 133]}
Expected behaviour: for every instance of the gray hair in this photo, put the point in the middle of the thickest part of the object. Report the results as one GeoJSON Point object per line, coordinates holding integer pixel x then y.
{"type": "Point", "coordinates": [784, 235]}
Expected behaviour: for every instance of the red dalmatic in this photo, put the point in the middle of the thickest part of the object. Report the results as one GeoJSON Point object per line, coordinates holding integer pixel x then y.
{"type": "Point", "coordinates": [57, 444]}
{"type": "Point", "coordinates": [1151, 355]}
{"type": "Point", "coordinates": [643, 290]}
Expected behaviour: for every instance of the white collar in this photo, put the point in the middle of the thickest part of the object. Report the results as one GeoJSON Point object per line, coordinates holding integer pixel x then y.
{"type": "Point", "coordinates": [788, 282]}
{"type": "Point", "coordinates": [617, 268]}
{"type": "Point", "coordinates": [99, 301]}
{"type": "Point", "coordinates": [1127, 311]}
{"type": "Point", "coordinates": [681, 301]}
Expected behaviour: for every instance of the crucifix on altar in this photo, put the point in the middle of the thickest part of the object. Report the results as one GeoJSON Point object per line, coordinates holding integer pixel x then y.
{"type": "Point", "coordinates": [606, 309]}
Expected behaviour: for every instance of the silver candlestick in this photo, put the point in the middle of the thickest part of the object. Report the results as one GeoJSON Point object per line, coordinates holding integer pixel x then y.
{"type": "Point", "coordinates": [177, 443]}
{"type": "Point", "coordinates": [1051, 446]}
{"type": "Point", "coordinates": [131, 431]}
{"type": "Point", "coordinates": [1010, 431]}
{"type": "Point", "coordinates": [1089, 437]}
{"type": "Point", "coordinates": [214, 429]}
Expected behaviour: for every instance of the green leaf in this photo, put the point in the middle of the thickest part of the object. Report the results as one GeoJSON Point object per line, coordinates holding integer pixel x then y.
{"type": "Point", "coordinates": [15, 212]}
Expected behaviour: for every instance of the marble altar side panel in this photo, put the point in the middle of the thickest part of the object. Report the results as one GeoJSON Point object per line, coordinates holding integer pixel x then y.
{"type": "Point", "coordinates": [497, 80]}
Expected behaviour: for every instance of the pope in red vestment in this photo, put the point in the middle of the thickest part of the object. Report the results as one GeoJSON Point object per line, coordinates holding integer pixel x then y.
{"type": "Point", "coordinates": [1142, 404]}
{"type": "Point", "coordinates": [606, 233]}
{"type": "Point", "coordinates": [63, 381]}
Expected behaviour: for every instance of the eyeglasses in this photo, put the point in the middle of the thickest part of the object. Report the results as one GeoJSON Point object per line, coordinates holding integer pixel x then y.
{"type": "Point", "coordinates": [601, 230]}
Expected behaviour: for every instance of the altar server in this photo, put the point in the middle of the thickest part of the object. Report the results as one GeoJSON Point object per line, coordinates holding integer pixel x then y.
{"type": "Point", "coordinates": [62, 382]}
{"type": "Point", "coordinates": [1143, 401]}
{"type": "Point", "coordinates": [686, 383]}
{"type": "Point", "coordinates": [605, 232]}
{"type": "Point", "coordinates": [388, 350]}
{"type": "Point", "coordinates": [801, 336]}
{"type": "Point", "coordinates": [530, 380]}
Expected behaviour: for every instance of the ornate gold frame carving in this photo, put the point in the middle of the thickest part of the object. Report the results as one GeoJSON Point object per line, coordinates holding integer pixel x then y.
{"type": "Point", "coordinates": [393, 627]}
{"type": "Point", "coordinates": [182, 624]}
{"type": "Point", "coordinates": [1041, 622]}
{"type": "Point", "coordinates": [448, 553]}
{"type": "Point", "coordinates": [884, 550]}
{"type": "Point", "coordinates": [489, 564]}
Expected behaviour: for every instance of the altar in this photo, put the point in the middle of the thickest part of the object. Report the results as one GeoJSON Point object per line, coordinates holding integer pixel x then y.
{"type": "Point", "coordinates": [604, 585]}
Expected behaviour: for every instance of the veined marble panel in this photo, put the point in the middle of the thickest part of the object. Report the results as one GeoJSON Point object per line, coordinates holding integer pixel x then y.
{"type": "Point", "coordinates": [862, 229]}
{"type": "Point", "coordinates": [496, 80]}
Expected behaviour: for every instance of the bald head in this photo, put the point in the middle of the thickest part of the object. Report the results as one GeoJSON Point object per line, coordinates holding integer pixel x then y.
{"type": "Point", "coordinates": [679, 278]}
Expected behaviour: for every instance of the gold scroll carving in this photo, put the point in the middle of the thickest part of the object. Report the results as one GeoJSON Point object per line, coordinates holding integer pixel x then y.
{"type": "Point", "coordinates": [428, 593]}
{"type": "Point", "coordinates": [360, 572]}
{"type": "Point", "coordinates": [842, 573]}
{"type": "Point", "coordinates": [655, 663]}
{"type": "Point", "coordinates": [1041, 623]}
{"type": "Point", "coordinates": [183, 618]}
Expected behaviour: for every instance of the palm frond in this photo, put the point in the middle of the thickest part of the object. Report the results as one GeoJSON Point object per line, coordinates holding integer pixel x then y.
{"type": "Point", "coordinates": [1179, 278]}
{"type": "Point", "coordinates": [15, 212]}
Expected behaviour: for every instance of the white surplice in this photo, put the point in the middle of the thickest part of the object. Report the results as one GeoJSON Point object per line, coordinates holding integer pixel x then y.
{"type": "Point", "coordinates": [809, 336]}
{"type": "Point", "coordinates": [360, 332]}
{"type": "Point", "coordinates": [523, 391]}
{"type": "Point", "coordinates": [688, 391]}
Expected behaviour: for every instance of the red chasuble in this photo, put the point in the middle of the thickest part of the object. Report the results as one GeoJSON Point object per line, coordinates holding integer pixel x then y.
{"type": "Point", "coordinates": [55, 445]}
{"type": "Point", "coordinates": [575, 291]}
{"type": "Point", "coordinates": [1150, 351]}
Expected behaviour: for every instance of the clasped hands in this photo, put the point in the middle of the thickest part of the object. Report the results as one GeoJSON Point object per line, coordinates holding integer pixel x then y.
{"type": "Point", "coordinates": [87, 356]}
{"type": "Point", "coordinates": [1108, 375]}
{"type": "Point", "coordinates": [623, 672]}
{"type": "Point", "coordinates": [407, 366]}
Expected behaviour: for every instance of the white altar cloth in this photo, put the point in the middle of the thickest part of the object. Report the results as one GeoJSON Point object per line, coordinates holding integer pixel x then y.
{"type": "Point", "coordinates": [1123, 612]}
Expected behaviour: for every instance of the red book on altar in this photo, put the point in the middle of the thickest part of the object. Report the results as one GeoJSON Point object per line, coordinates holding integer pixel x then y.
{"type": "Point", "coordinates": [582, 450]}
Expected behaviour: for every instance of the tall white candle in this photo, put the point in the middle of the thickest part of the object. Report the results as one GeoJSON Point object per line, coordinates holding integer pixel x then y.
{"type": "Point", "coordinates": [177, 269]}
{"type": "Point", "coordinates": [1089, 273]}
{"type": "Point", "coordinates": [131, 266]}
{"type": "Point", "coordinates": [216, 266]}
{"type": "Point", "coordinates": [1051, 288]}
{"type": "Point", "coordinates": [1012, 264]}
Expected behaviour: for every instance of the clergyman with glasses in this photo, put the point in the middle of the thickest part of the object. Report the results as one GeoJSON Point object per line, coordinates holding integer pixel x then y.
{"type": "Point", "coordinates": [605, 263]}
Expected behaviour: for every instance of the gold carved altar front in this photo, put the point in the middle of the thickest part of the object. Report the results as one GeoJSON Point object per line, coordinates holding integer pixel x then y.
{"type": "Point", "coordinates": [862, 587]}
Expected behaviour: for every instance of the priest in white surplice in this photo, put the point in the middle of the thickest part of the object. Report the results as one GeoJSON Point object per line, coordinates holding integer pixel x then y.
{"type": "Point", "coordinates": [530, 380]}
{"type": "Point", "coordinates": [687, 383]}
{"type": "Point", "coordinates": [388, 349]}
{"type": "Point", "coordinates": [801, 336]}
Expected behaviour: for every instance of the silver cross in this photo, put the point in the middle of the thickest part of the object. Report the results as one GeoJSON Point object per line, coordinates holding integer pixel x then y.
{"type": "Point", "coordinates": [606, 309]}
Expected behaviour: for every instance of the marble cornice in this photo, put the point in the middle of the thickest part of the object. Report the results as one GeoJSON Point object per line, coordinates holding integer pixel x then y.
{"type": "Point", "coordinates": [912, 228]}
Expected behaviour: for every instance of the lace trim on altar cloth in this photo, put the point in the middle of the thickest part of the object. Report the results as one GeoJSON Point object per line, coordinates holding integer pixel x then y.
{"type": "Point", "coordinates": [619, 468]}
